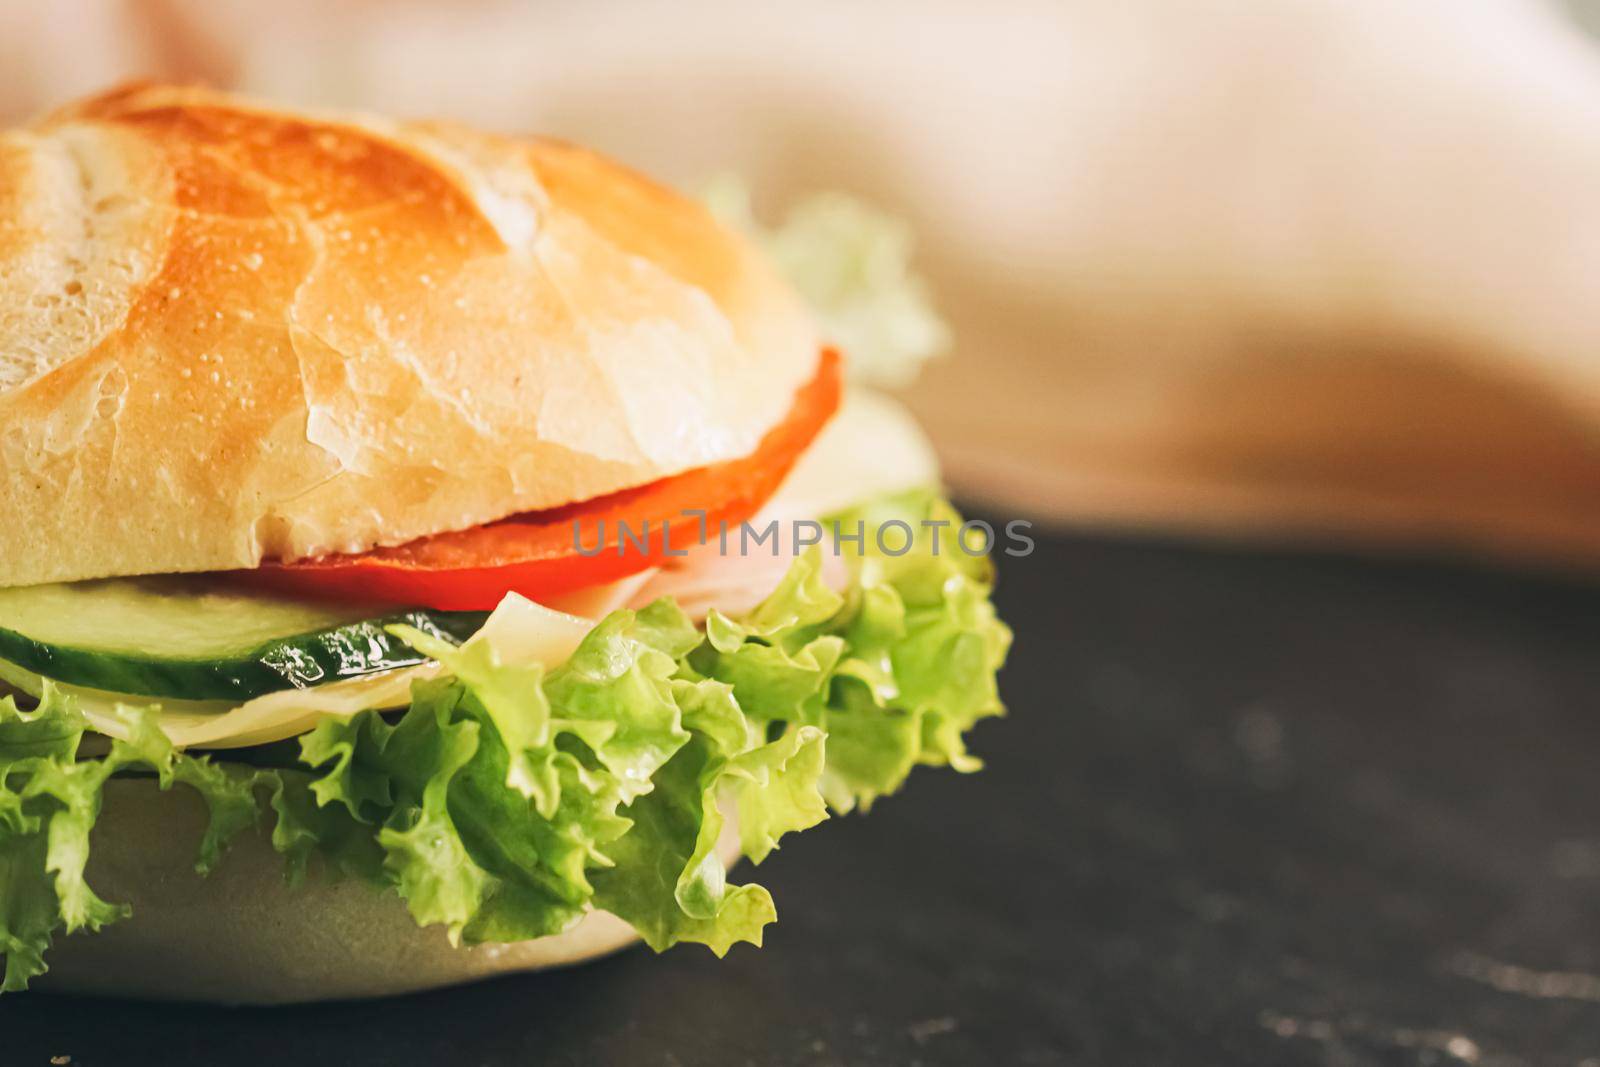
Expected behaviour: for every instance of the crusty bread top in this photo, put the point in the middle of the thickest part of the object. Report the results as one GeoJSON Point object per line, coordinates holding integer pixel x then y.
{"type": "Point", "coordinates": [230, 333]}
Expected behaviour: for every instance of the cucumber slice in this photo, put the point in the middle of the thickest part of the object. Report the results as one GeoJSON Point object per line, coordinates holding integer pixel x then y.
{"type": "Point", "coordinates": [198, 639]}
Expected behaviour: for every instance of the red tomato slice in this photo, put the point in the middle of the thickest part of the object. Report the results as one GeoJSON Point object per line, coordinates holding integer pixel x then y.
{"type": "Point", "coordinates": [537, 553]}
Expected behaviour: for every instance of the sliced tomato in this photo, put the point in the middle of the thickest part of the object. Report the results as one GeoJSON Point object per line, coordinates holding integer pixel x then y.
{"type": "Point", "coordinates": [543, 553]}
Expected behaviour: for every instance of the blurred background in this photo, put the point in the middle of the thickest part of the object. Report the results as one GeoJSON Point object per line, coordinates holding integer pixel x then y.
{"type": "Point", "coordinates": [1313, 270]}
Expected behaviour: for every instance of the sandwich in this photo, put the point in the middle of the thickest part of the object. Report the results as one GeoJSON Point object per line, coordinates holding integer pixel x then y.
{"type": "Point", "coordinates": [429, 554]}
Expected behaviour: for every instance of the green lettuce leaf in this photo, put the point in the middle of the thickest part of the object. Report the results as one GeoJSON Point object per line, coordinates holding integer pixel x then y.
{"type": "Point", "coordinates": [852, 263]}
{"type": "Point", "coordinates": [896, 673]}
{"type": "Point", "coordinates": [507, 800]}
{"type": "Point", "coordinates": [49, 801]}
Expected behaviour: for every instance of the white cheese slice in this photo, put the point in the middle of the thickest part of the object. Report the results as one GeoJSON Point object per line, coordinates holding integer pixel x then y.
{"type": "Point", "coordinates": [873, 446]}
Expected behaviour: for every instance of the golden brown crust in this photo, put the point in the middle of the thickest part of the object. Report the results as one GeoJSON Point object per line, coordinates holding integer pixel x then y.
{"type": "Point", "coordinates": [234, 333]}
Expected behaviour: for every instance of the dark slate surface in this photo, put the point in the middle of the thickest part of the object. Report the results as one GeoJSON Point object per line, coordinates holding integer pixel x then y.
{"type": "Point", "coordinates": [1249, 809]}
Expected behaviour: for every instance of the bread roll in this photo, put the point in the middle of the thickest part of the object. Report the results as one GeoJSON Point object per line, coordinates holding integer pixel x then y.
{"type": "Point", "coordinates": [235, 333]}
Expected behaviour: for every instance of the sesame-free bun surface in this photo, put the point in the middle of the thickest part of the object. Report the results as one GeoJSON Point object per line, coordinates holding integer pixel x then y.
{"type": "Point", "coordinates": [240, 935]}
{"type": "Point", "coordinates": [230, 333]}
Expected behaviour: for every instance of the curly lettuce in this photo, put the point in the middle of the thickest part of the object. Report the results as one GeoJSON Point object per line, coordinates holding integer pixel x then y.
{"type": "Point", "coordinates": [507, 801]}
{"type": "Point", "coordinates": [49, 800]}
{"type": "Point", "coordinates": [852, 264]}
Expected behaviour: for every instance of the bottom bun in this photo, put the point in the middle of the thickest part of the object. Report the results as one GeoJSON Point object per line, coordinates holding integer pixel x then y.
{"type": "Point", "coordinates": [242, 936]}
